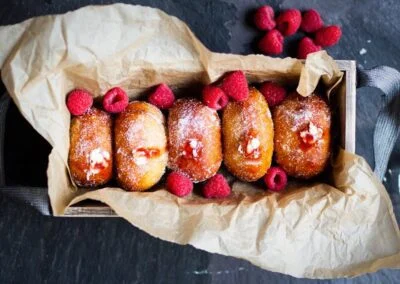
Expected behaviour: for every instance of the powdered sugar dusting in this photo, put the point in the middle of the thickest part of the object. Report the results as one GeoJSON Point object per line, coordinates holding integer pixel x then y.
{"type": "Point", "coordinates": [86, 138]}
{"type": "Point", "coordinates": [302, 135]}
{"type": "Point", "coordinates": [189, 119]}
{"type": "Point", "coordinates": [299, 118]}
{"type": "Point", "coordinates": [90, 157]}
{"type": "Point", "coordinates": [190, 125]}
{"type": "Point", "coordinates": [140, 146]}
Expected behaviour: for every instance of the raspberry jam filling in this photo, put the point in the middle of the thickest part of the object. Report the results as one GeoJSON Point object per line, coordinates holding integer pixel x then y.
{"type": "Point", "coordinates": [142, 155]}
{"type": "Point", "coordinates": [98, 160]}
{"type": "Point", "coordinates": [192, 149]}
{"type": "Point", "coordinates": [311, 135]}
{"type": "Point", "coordinates": [250, 146]}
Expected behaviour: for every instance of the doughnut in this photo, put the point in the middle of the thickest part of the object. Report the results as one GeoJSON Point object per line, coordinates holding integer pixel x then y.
{"type": "Point", "coordinates": [194, 139]}
{"type": "Point", "coordinates": [248, 135]}
{"type": "Point", "coordinates": [90, 152]}
{"type": "Point", "coordinates": [140, 146]}
{"type": "Point", "coordinates": [302, 135]}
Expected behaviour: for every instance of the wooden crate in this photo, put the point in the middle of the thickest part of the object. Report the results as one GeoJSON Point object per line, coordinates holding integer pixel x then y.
{"type": "Point", "coordinates": [346, 99]}
{"type": "Point", "coordinates": [347, 109]}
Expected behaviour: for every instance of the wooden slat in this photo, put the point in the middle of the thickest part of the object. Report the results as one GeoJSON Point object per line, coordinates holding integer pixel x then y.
{"type": "Point", "coordinates": [350, 107]}
{"type": "Point", "coordinates": [100, 210]}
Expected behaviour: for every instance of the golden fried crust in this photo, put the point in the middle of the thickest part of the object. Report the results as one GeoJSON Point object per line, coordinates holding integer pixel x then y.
{"type": "Point", "coordinates": [248, 134]}
{"type": "Point", "coordinates": [302, 135]}
{"type": "Point", "coordinates": [194, 135]}
{"type": "Point", "coordinates": [90, 153]}
{"type": "Point", "coordinates": [140, 146]}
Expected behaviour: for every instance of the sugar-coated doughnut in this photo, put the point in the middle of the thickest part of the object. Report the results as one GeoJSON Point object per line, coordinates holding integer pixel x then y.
{"type": "Point", "coordinates": [194, 139]}
{"type": "Point", "coordinates": [248, 135]}
{"type": "Point", "coordinates": [302, 135]}
{"type": "Point", "coordinates": [140, 146]}
{"type": "Point", "coordinates": [90, 154]}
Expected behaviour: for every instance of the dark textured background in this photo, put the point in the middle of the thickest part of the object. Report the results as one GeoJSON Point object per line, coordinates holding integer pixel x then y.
{"type": "Point", "coordinates": [38, 249]}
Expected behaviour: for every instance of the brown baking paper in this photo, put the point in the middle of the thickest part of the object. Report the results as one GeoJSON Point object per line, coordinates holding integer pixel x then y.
{"type": "Point", "coordinates": [319, 231]}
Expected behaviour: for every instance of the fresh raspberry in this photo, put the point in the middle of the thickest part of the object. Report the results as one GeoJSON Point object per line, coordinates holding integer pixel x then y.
{"type": "Point", "coordinates": [235, 86]}
{"type": "Point", "coordinates": [79, 101]}
{"type": "Point", "coordinates": [271, 43]}
{"type": "Point", "coordinates": [289, 22]}
{"type": "Point", "coordinates": [306, 46]}
{"type": "Point", "coordinates": [275, 179]}
{"type": "Point", "coordinates": [162, 97]}
{"type": "Point", "coordinates": [115, 100]}
{"type": "Point", "coordinates": [216, 187]}
{"type": "Point", "coordinates": [311, 21]}
{"type": "Point", "coordinates": [273, 93]}
{"type": "Point", "coordinates": [264, 18]}
{"type": "Point", "coordinates": [214, 97]}
{"type": "Point", "coordinates": [179, 184]}
{"type": "Point", "coordinates": [328, 36]}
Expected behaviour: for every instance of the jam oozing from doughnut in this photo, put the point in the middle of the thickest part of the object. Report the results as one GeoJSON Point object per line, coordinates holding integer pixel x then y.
{"type": "Point", "coordinates": [191, 153]}
{"type": "Point", "coordinates": [250, 145]}
{"type": "Point", "coordinates": [311, 135]}
{"type": "Point", "coordinates": [98, 160]}
{"type": "Point", "coordinates": [192, 148]}
{"type": "Point", "coordinates": [142, 155]}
